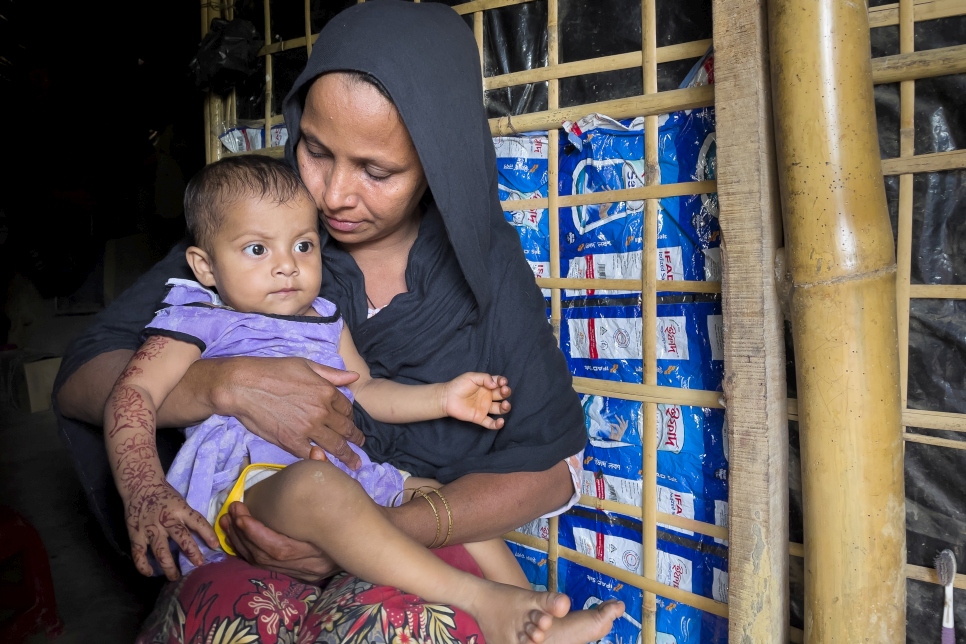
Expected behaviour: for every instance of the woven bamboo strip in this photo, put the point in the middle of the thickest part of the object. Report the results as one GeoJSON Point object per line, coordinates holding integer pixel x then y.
{"type": "Point", "coordinates": [928, 575]}
{"type": "Point", "coordinates": [907, 110]}
{"type": "Point", "coordinates": [286, 45]}
{"type": "Point", "coordinates": [921, 64]}
{"type": "Point", "coordinates": [888, 14]}
{"type": "Point", "coordinates": [659, 191]}
{"type": "Point", "coordinates": [935, 162]}
{"type": "Point", "coordinates": [650, 393]}
{"type": "Point", "coordinates": [528, 540]}
{"type": "Point", "coordinates": [934, 420]}
{"type": "Point", "coordinates": [796, 635]}
{"type": "Point", "coordinates": [673, 520]}
{"type": "Point", "coordinates": [663, 286]}
{"type": "Point", "coordinates": [938, 291]}
{"type": "Point", "coordinates": [682, 51]}
{"type": "Point", "coordinates": [660, 103]}
{"type": "Point", "coordinates": [484, 5]}
{"type": "Point", "coordinates": [645, 584]}
{"type": "Point", "coordinates": [932, 440]}
{"type": "Point", "coordinates": [796, 550]}
{"type": "Point", "coordinates": [277, 152]}
{"type": "Point", "coordinates": [652, 178]}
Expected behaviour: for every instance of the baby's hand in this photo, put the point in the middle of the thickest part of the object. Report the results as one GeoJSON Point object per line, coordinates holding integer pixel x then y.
{"type": "Point", "coordinates": [157, 512]}
{"type": "Point", "coordinates": [474, 397]}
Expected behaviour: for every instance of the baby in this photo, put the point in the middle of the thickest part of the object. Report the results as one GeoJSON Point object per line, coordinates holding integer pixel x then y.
{"type": "Point", "coordinates": [256, 227]}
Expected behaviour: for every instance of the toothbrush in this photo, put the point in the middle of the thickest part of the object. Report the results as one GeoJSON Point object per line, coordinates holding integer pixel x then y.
{"type": "Point", "coordinates": [946, 570]}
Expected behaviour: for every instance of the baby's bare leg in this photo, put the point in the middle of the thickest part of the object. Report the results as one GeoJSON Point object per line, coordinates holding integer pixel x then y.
{"type": "Point", "coordinates": [494, 558]}
{"type": "Point", "coordinates": [316, 502]}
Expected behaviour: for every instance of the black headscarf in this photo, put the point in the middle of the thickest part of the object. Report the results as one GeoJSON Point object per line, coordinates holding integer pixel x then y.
{"type": "Point", "coordinates": [472, 303]}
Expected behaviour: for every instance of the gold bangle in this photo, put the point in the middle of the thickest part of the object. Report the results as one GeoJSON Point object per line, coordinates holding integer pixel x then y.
{"type": "Point", "coordinates": [435, 513]}
{"type": "Point", "coordinates": [449, 517]}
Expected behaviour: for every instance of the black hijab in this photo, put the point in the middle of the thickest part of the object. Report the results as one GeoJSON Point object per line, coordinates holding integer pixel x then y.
{"type": "Point", "coordinates": [472, 303]}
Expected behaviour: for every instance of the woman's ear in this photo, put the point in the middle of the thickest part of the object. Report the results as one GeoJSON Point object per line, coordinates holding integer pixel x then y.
{"type": "Point", "coordinates": [201, 265]}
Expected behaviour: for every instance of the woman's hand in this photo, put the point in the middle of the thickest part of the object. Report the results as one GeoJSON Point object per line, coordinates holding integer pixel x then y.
{"type": "Point", "coordinates": [259, 545]}
{"type": "Point", "coordinates": [474, 397]}
{"type": "Point", "coordinates": [290, 402]}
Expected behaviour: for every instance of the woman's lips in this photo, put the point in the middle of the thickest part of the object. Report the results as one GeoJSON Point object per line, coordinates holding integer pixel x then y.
{"type": "Point", "coordinates": [342, 226]}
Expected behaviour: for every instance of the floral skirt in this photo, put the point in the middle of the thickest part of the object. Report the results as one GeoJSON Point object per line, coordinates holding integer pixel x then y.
{"type": "Point", "coordinates": [232, 602]}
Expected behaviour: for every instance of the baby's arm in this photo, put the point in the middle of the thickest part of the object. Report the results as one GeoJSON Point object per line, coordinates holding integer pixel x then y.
{"type": "Point", "coordinates": [472, 397]}
{"type": "Point", "coordinates": [154, 510]}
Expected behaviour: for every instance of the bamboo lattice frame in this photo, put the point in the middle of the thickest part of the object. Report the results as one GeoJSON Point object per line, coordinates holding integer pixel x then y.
{"type": "Point", "coordinates": [904, 68]}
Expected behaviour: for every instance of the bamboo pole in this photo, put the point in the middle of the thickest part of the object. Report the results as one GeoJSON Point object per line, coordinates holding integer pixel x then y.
{"type": "Point", "coordinates": [842, 264]}
{"type": "Point", "coordinates": [268, 75]}
{"type": "Point", "coordinates": [652, 177]}
{"type": "Point", "coordinates": [206, 102]}
{"type": "Point", "coordinates": [553, 214]}
{"type": "Point", "coordinates": [308, 28]}
{"type": "Point", "coordinates": [754, 346]}
{"type": "Point", "coordinates": [907, 109]}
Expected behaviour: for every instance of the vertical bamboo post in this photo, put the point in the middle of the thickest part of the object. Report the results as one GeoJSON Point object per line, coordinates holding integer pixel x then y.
{"type": "Point", "coordinates": [205, 21]}
{"type": "Point", "coordinates": [478, 34]}
{"type": "Point", "coordinates": [553, 213]}
{"type": "Point", "coordinates": [907, 107]}
{"type": "Point", "coordinates": [268, 75]}
{"type": "Point", "coordinates": [754, 350]}
{"type": "Point", "coordinates": [649, 325]}
{"type": "Point", "coordinates": [308, 28]}
{"type": "Point", "coordinates": [842, 262]}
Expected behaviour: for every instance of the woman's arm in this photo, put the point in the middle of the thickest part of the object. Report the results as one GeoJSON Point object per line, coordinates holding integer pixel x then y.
{"type": "Point", "coordinates": [286, 401]}
{"type": "Point", "coordinates": [484, 506]}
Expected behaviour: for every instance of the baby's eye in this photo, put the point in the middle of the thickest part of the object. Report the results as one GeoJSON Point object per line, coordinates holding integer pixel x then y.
{"type": "Point", "coordinates": [256, 250]}
{"type": "Point", "coordinates": [303, 247]}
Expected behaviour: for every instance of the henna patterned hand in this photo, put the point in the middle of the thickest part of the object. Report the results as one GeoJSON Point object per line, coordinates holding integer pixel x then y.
{"type": "Point", "coordinates": [156, 512]}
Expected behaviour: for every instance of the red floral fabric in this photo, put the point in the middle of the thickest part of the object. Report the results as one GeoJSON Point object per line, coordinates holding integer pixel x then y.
{"type": "Point", "coordinates": [232, 602]}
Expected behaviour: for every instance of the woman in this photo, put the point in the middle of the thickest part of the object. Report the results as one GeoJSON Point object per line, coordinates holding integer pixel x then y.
{"type": "Point", "coordinates": [387, 129]}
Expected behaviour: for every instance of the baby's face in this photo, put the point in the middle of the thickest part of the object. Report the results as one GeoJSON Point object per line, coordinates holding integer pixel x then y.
{"type": "Point", "coordinates": [266, 256]}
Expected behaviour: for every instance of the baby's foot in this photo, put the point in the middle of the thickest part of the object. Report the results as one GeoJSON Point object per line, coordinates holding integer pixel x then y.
{"type": "Point", "coordinates": [583, 626]}
{"type": "Point", "coordinates": [510, 615]}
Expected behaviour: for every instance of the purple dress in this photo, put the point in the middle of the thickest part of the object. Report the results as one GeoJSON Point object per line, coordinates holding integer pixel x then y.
{"type": "Point", "coordinates": [214, 452]}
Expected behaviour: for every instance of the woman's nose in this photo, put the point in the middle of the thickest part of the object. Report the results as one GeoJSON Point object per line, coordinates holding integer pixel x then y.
{"type": "Point", "coordinates": [339, 190]}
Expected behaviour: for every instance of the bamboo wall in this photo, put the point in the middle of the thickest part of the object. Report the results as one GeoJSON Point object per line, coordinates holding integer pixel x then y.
{"type": "Point", "coordinates": [743, 81]}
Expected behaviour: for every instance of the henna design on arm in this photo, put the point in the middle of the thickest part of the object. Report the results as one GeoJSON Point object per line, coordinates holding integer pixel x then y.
{"type": "Point", "coordinates": [129, 411]}
{"type": "Point", "coordinates": [150, 349]}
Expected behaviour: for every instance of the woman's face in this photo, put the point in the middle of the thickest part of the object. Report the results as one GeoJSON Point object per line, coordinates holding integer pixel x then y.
{"type": "Point", "coordinates": [360, 165]}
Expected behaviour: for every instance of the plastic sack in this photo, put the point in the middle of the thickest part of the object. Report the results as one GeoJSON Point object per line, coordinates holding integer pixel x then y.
{"type": "Point", "coordinates": [227, 56]}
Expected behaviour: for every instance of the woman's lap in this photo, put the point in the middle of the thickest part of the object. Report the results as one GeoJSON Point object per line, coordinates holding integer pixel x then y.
{"type": "Point", "coordinates": [232, 601]}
